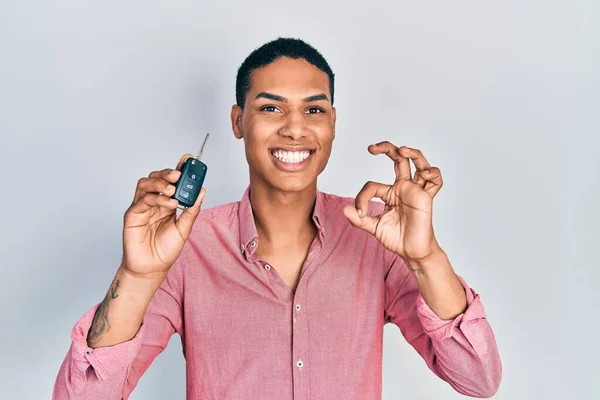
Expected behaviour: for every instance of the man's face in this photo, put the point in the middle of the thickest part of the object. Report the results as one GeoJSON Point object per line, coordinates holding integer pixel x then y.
{"type": "Point", "coordinates": [288, 124]}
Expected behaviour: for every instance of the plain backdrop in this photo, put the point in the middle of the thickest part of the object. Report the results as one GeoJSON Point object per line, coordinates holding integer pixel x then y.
{"type": "Point", "coordinates": [502, 96]}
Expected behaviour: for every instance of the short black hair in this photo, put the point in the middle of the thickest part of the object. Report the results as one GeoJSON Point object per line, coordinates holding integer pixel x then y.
{"type": "Point", "coordinates": [267, 53]}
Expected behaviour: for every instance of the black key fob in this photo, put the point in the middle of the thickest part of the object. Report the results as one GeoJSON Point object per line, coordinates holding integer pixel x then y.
{"type": "Point", "coordinates": [187, 188]}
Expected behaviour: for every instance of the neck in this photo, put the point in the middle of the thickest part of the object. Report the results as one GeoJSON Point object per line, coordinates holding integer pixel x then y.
{"type": "Point", "coordinates": [282, 219]}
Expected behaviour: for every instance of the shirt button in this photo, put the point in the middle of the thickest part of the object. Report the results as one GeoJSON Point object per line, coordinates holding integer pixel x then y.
{"type": "Point", "coordinates": [300, 364]}
{"type": "Point", "coordinates": [242, 246]}
{"type": "Point", "coordinates": [267, 267]}
{"type": "Point", "coordinates": [253, 244]}
{"type": "Point", "coordinates": [297, 307]}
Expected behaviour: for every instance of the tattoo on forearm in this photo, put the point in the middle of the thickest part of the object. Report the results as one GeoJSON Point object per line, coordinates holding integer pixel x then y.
{"type": "Point", "coordinates": [417, 271]}
{"type": "Point", "coordinates": [113, 291]}
{"type": "Point", "coordinates": [100, 323]}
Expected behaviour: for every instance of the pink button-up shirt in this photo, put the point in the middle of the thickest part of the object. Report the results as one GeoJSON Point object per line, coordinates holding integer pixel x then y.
{"type": "Point", "coordinates": [247, 335]}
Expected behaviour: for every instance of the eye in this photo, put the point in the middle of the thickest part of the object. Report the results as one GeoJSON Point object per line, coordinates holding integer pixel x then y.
{"type": "Point", "coordinates": [315, 110]}
{"type": "Point", "coordinates": [269, 109]}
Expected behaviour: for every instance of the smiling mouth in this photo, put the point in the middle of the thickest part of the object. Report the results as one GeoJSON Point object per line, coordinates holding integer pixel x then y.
{"type": "Point", "coordinates": [291, 157]}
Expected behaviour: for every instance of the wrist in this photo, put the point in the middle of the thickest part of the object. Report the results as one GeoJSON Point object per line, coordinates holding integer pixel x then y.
{"type": "Point", "coordinates": [143, 285]}
{"type": "Point", "coordinates": [434, 269]}
{"type": "Point", "coordinates": [433, 258]}
{"type": "Point", "coordinates": [150, 277]}
{"type": "Point", "coordinates": [439, 285]}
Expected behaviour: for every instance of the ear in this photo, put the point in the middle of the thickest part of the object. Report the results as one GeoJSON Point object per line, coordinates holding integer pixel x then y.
{"type": "Point", "coordinates": [236, 121]}
{"type": "Point", "coordinates": [334, 117]}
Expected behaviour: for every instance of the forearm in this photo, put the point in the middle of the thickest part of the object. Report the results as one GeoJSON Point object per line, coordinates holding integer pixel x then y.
{"type": "Point", "coordinates": [439, 286]}
{"type": "Point", "coordinates": [119, 316]}
{"type": "Point", "coordinates": [446, 324]}
{"type": "Point", "coordinates": [469, 360]}
{"type": "Point", "coordinates": [462, 351]}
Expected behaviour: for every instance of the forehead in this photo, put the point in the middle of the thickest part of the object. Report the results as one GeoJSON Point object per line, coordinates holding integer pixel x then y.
{"type": "Point", "coordinates": [289, 78]}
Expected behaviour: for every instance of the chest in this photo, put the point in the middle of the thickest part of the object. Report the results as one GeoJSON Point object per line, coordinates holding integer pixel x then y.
{"type": "Point", "coordinates": [287, 259]}
{"type": "Point", "coordinates": [251, 306]}
{"type": "Point", "coordinates": [287, 264]}
{"type": "Point", "coordinates": [336, 283]}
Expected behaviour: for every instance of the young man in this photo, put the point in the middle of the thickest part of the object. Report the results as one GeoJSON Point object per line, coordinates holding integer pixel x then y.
{"type": "Point", "coordinates": [283, 294]}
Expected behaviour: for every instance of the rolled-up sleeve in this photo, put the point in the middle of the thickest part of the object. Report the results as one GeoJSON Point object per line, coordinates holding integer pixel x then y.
{"type": "Point", "coordinates": [112, 372]}
{"type": "Point", "coordinates": [462, 351]}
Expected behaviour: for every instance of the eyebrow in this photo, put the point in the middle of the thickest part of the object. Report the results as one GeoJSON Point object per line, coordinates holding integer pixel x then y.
{"type": "Point", "coordinates": [276, 97]}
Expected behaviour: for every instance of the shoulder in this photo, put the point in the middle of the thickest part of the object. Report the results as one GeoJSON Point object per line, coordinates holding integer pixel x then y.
{"type": "Point", "coordinates": [217, 216]}
{"type": "Point", "coordinates": [219, 211]}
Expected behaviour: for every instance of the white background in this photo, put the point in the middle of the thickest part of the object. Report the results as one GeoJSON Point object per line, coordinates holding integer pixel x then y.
{"type": "Point", "coordinates": [501, 96]}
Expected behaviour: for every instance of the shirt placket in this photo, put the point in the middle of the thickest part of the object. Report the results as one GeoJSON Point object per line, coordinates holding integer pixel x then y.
{"type": "Point", "coordinates": [297, 300]}
{"type": "Point", "coordinates": [300, 357]}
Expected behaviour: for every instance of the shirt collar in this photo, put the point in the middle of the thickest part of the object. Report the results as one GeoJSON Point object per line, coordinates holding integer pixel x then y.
{"type": "Point", "coordinates": [247, 229]}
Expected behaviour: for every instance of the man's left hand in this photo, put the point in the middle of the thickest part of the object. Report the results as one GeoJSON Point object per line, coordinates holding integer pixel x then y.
{"type": "Point", "coordinates": [405, 226]}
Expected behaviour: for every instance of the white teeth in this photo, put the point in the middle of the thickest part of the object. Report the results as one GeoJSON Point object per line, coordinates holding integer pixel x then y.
{"type": "Point", "coordinates": [291, 156]}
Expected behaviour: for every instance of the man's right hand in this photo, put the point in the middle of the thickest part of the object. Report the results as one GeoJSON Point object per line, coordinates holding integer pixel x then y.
{"type": "Point", "coordinates": [152, 235]}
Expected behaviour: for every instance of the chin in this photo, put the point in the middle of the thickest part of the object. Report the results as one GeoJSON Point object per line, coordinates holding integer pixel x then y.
{"type": "Point", "coordinates": [291, 184]}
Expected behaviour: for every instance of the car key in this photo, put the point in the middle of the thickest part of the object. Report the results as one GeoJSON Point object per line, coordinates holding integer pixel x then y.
{"type": "Point", "coordinates": [193, 172]}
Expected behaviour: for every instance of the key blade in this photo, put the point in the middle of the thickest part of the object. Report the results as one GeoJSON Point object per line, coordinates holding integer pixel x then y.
{"type": "Point", "coordinates": [202, 147]}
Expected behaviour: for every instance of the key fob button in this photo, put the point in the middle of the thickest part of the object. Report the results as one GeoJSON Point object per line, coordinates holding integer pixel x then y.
{"type": "Point", "coordinates": [189, 184]}
{"type": "Point", "coordinates": [195, 176]}
{"type": "Point", "coordinates": [197, 172]}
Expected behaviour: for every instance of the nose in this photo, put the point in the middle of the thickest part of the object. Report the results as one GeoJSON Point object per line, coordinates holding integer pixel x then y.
{"type": "Point", "coordinates": [295, 125]}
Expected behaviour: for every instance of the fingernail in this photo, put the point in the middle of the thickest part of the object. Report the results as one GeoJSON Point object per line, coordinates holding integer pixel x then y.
{"type": "Point", "coordinates": [360, 212]}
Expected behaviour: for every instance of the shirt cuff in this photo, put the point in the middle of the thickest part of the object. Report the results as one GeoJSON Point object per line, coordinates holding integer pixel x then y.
{"type": "Point", "coordinates": [438, 329]}
{"type": "Point", "coordinates": [104, 360]}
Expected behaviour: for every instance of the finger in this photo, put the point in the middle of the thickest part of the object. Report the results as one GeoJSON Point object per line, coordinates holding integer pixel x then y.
{"type": "Point", "coordinates": [434, 181]}
{"type": "Point", "coordinates": [401, 163]}
{"type": "Point", "coordinates": [419, 179]}
{"type": "Point", "coordinates": [369, 191]}
{"type": "Point", "coordinates": [418, 160]}
{"type": "Point", "coordinates": [182, 160]}
{"type": "Point", "coordinates": [153, 186]}
{"type": "Point", "coordinates": [426, 175]}
{"type": "Point", "coordinates": [153, 200]}
{"type": "Point", "coordinates": [169, 174]}
{"type": "Point", "coordinates": [387, 148]}
{"type": "Point", "coordinates": [366, 223]}
{"type": "Point", "coordinates": [416, 156]}
{"type": "Point", "coordinates": [186, 220]}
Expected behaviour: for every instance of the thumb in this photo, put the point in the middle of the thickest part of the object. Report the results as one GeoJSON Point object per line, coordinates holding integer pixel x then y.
{"type": "Point", "coordinates": [365, 223]}
{"type": "Point", "coordinates": [188, 216]}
